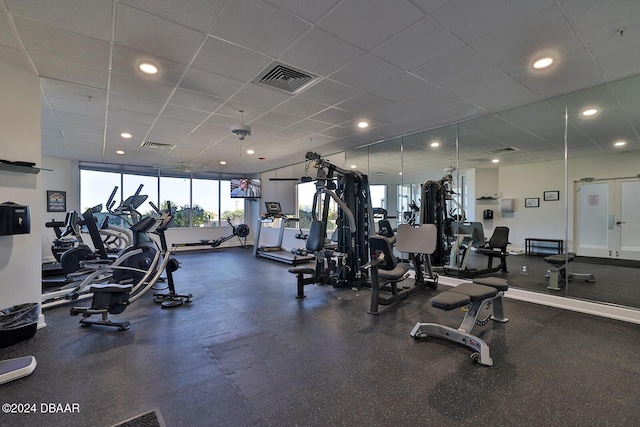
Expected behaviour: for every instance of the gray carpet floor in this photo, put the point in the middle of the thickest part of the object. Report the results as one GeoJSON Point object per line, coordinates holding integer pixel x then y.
{"type": "Point", "coordinates": [246, 352]}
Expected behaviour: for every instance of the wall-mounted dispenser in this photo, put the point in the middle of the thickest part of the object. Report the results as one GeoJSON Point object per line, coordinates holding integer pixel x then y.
{"type": "Point", "coordinates": [507, 205]}
{"type": "Point", "coordinates": [14, 219]}
{"type": "Point", "coordinates": [487, 214]}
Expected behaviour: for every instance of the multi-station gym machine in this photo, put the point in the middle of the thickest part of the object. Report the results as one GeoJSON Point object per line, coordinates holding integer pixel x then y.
{"type": "Point", "coordinates": [349, 249]}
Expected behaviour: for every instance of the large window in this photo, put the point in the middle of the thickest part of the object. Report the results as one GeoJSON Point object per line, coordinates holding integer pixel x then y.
{"type": "Point", "coordinates": [206, 196]}
{"type": "Point", "coordinates": [197, 202]}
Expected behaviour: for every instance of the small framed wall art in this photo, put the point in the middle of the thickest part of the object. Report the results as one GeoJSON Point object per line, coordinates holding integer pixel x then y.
{"type": "Point", "coordinates": [532, 202]}
{"type": "Point", "coordinates": [56, 201]}
{"type": "Point", "coordinates": [551, 196]}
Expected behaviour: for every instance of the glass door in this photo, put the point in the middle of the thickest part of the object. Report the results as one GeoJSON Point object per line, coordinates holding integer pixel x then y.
{"type": "Point", "coordinates": [626, 224]}
{"type": "Point", "coordinates": [606, 223]}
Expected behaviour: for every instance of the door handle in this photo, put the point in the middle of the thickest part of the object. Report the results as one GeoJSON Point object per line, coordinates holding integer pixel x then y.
{"type": "Point", "coordinates": [620, 222]}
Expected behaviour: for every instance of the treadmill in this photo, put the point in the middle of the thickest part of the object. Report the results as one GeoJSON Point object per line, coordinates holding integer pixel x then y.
{"type": "Point", "coordinates": [277, 252]}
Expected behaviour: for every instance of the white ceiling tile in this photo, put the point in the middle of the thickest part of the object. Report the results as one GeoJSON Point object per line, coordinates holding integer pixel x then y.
{"type": "Point", "coordinates": [363, 104]}
{"type": "Point", "coordinates": [195, 101]}
{"type": "Point", "coordinates": [480, 82]}
{"type": "Point", "coordinates": [319, 52]}
{"type": "Point", "coordinates": [427, 101]}
{"type": "Point", "coordinates": [83, 107]}
{"type": "Point", "coordinates": [278, 29]}
{"type": "Point", "coordinates": [197, 14]}
{"type": "Point", "coordinates": [185, 114]}
{"type": "Point", "coordinates": [122, 115]}
{"type": "Point", "coordinates": [300, 107]}
{"type": "Point", "coordinates": [72, 92]}
{"type": "Point", "coordinates": [311, 126]}
{"type": "Point", "coordinates": [575, 71]}
{"type": "Point", "coordinates": [452, 66]}
{"type": "Point", "coordinates": [208, 83]}
{"type": "Point", "coordinates": [260, 96]}
{"type": "Point", "coordinates": [420, 43]}
{"type": "Point", "coordinates": [366, 72]}
{"type": "Point", "coordinates": [73, 47]}
{"type": "Point", "coordinates": [15, 57]}
{"type": "Point", "coordinates": [88, 17]}
{"type": "Point", "coordinates": [309, 10]}
{"type": "Point", "coordinates": [588, 14]}
{"type": "Point", "coordinates": [134, 103]}
{"type": "Point", "coordinates": [278, 119]}
{"type": "Point", "coordinates": [328, 92]}
{"type": "Point", "coordinates": [401, 88]}
{"type": "Point", "coordinates": [59, 69]}
{"type": "Point", "coordinates": [457, 111]}
{"type": "Point", "coordinates": [226, 59]}
{"type": "Point", "coordinates": [536, 32]}
{"type": "Point", "coordinates": [471, 21]}
{"type": "Point", "coordinates": [430, 5]}
{"type": "Point", "coordinates": [503, 97]}
{"type": "Point", "coordinates": [147, 33]}
{"type": "Point", "coordinates": [335, 116]}
{"type": "Point", "coordinates": [391, 113]}
{"type": "Point", "coordinates": [337, 131]}
{"type": "Point", "coordinates": [132, 86]}
{"type": "Point", "coordinates": [126, 61]}
{"type": "Point", "coordinates": [231, 109]}
{"type": "Point", "coordinates": [360, 21]}
{"type": "Point", "coordinates": [7, 37]}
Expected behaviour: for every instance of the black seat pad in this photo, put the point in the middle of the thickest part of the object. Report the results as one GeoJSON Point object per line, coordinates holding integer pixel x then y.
{"type": "Point", "coordinates": [475, 292]}
{"type": "Point", "coordinates": [450, 300]}
{"type": "Point", "coordinates": [395, 274]}
{"type": "Point", "coordinates": [496, 282]}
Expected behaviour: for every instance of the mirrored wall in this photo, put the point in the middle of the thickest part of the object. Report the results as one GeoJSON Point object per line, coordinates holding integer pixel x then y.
{"type": "Point", "coordinates": [561, 174]}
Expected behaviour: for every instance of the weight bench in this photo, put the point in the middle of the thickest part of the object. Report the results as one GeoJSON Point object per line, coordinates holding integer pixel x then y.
{"type": "Point", "coordinates": [557, 273]}
{"type": "Point", "coordinates": [476, 297]}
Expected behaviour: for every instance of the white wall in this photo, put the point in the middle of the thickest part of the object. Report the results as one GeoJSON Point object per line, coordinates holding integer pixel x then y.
{"type": "Point", "coordinates": [527, 181]}
{"type": "Point", "coordinates": [20, 140]}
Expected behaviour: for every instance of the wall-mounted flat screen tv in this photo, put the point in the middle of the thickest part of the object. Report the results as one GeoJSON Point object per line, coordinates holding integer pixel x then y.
{"type": "Point", "coordinates": [246, 188]}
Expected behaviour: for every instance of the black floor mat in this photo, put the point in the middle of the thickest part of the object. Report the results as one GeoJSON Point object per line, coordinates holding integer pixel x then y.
{"type": "Point", "coordinates": [150, 419]}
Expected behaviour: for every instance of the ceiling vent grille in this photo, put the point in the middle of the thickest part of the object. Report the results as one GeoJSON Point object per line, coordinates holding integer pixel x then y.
{"type": "Point", "coordinates": [157, 145]}
{"type": "Point", "coordinates": [285, 78]}
{"type": "Point", "coordinates": [503, 151]}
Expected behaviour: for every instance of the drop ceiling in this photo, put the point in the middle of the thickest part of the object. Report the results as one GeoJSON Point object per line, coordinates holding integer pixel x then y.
{"type": "Point", "coordinates": [402, 65]}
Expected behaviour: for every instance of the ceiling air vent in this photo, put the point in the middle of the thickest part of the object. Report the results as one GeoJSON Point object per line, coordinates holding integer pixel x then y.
{"type": "Point", "coordinates": [503, 151]}
{"type": "Point", "coordinates": [285, 78]}
{"type": "Point", "coordinates": [157, 145]}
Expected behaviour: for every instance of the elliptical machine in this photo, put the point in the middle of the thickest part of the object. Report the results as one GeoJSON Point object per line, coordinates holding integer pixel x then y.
{"type": "Point", "coordinates": [113, 298]}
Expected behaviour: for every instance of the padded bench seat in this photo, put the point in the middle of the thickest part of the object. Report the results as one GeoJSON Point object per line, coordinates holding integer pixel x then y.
{"type": "Point", "coordinates": [484, 293]}
{"type": "Point", "coordinates": [462, 295]}
{"type": "Point", "coordinates": [495, 282]}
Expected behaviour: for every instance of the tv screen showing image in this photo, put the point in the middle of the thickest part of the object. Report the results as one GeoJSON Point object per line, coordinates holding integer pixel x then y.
{"type": "Point", "coordinates": [246, 188]}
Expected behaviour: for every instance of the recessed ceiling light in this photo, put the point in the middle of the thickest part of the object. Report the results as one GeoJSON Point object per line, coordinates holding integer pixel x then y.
{"type": "Point", "coordinates": [399, 173]}
{"type": "Point", "coordinates": [222, 162]}
{"type": "Point", "coordinates": [250, 151]}
{"type": "Point", "coordinates": [543, 63]}
{"type": "Point", "coordinates": [590, 112]}
{"type": "Point", "coordinates": [126, 135]}
{"type": "Point", "coordinates": [495, 161]}
{"type": "Point", "coordinates": [620, 143]}
{"type": "Point", "coordinates": [353, 166]}
{"type": "Point", "coordinates": [363, 124]}
{"type": "Point", "coordinates": [120, 152]}
{"type": "Point", "coordinates": [147, 68]}
{"type": "Point", "coordinates": [435, 144]}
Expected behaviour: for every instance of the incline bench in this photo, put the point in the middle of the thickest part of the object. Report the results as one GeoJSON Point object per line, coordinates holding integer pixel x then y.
{"type": "Point", "coordinates": [483, 292]}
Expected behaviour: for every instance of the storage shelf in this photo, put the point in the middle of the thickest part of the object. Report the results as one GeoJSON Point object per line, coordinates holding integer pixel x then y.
{"type": "Point", "coordinates": [20, 169]}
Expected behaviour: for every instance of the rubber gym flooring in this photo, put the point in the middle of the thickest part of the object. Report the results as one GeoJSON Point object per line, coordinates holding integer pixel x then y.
{"type": "Point", "coordinates": [246, 352]}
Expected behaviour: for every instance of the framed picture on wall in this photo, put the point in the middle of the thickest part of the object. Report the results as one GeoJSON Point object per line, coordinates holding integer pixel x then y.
{"type": "Point", "coordinates": [532, 202]}
{"type": "Point", "coordinates": [551, 196]}
{"type": "Point", "coordinates": [56, 201]}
